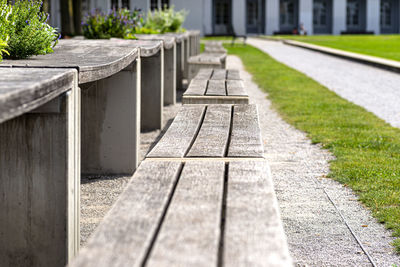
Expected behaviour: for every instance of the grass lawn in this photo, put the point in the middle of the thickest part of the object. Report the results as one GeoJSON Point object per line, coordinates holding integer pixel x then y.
{"type": "Point", "coordinates": [386, 46]}
{"type": "Point", "coordinates": [367, 149]}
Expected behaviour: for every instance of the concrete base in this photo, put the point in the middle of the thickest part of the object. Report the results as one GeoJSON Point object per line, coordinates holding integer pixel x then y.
{"type": "Point", "coordinates": [170, 76]}
{"type": "Point", "coordinates": [111, 123]}
{"type": "Point", "coordinates": [152, 95]}
{"type": "Point", "coordinates": [186, 56]}
{"type": "Point", "coordinates": [39, 185]}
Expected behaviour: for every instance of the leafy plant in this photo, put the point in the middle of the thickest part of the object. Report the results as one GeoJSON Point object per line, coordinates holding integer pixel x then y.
{"type": "Point", "coordinates": [166, 20]}
{"type": "Point", "coordinates": [24, 27]}
{"type": "Point", "coordinates": [119, 23]}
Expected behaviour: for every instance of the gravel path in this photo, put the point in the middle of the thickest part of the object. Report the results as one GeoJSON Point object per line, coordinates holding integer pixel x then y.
{"type": "Point", "coordinates": [374, 89]}
{"type": "Point", "coordinates": [98, 193]}
{"type": "Point", "coordinates": [317, 235]}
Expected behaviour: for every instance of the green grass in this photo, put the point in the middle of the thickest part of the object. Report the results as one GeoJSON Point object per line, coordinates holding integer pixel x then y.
{"type": "Point", "coordinates": [367, 149]}
{"type": "Point", "coordinates": [385, 46]}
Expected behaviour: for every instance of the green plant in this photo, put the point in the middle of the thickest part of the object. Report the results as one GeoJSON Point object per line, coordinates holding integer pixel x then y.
{"type": "Point", "coordinates": [119, 23]}
{"type": "Point", "coordinates": [5, 11]}
{"type": "Point", "coordinates": [166, 20]}
{"type": "Point", "coordinates": [25, 29]}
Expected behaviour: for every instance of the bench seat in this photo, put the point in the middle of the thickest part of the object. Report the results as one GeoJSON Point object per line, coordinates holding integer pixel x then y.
{"type": "Point", "coordinates": [217, 86]}
{"type": "Point", "coordinates": [195, 213]}
{"type": "Point", "coordinates": [214, 131]}
{"type": "Point", "coordinates": [206, 61]}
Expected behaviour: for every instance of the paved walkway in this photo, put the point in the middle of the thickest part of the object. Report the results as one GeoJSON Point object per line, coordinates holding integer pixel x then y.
{"type": "Point", "coordinates": [317, 234]}
{"type": "Point", "coordinates": [374, 89]}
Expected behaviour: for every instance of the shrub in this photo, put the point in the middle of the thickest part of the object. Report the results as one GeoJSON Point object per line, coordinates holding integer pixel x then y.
{"type": "Point", "coordinates": [166, 20]}
{"type": "Point", "coordinates": [25, 29]}
{"type": "Point", "coordinates": [5, 11]}
{"type": "Point", "coordinates": [119, 23]}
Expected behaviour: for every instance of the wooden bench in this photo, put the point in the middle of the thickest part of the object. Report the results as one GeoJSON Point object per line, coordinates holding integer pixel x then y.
{"type": "Point", "coordinates": [217, 86]}
{"type": "Point", "coordinates": [40, 166]}
{"type": "Point", "coordinates": [203, 197]}
{"type": "Point", "coordinates": [109, 76]}
{"type": "Point", "coordinates": [170, 59]}
{"type": "Point", "coordinates": [206, 61]}
{"type": "Point", "coordinates": [214, 47]}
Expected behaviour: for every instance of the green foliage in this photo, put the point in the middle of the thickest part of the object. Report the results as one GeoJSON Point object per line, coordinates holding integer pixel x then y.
{"type": "Point", "coordinates": [166, 20]}
{"type": "Point", "coordinates": [119, 23]}
{"type": "Point", "coordinates": [366, 149]}
{"type": "Point", "coordinates": [24, 27]}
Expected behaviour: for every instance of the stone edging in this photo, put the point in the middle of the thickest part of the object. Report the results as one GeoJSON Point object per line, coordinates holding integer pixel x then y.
{"type": "Point", "coordinates": [387, 64]}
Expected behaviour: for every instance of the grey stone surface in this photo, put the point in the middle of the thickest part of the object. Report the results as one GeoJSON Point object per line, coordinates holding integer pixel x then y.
{"type": "Point", "coordinates": [374, 89]}
{"type": "Point", "coordinates": [316, 233]}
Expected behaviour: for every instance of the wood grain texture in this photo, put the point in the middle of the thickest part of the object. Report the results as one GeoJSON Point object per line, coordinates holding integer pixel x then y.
{"type": "Point", "coordinates": [219, 74]}
{"type": "Point", "coordinates": [235, 88]}
{"type": "Point", "coordinates": [204, 100]}
{"type": "Point", "coordinates": [190, 233]}
{"type": "Point", "coordinates": [254, 234]}
{"type": "Point", "coordinates": [205, 59]}
{"type": "Point", "coordinates": [124, 236]}
{"type": "Point", "coordinates": [203, 74]}
{"type": "Point", "coordinates": [94, 59]}
{"type": "Point", "coordinates": [214, 133]}
{"type": "Point", "coordinates": [196, 87]}
{"type": "Point", "coordinates": [246, 134]}
{"type": "Point", "coordinates": [22, 90]}
{"type": "Point", "coordinates": [168, 41]}
{"type": "Point", "coordinates": [179, 37]}
{"type": "Point", "coordinates": [180, 135]}
{"type": "Point", "coordinates": [216, 87]}
{"type": "Point", "coordinates": [233, 74]}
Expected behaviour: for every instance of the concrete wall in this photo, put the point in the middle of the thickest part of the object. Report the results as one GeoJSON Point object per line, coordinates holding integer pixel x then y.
{"type": "Point", "coordinates": [272, 16]}
{"type": "Point", "coordinates": [338, 16]}
{"type": "Point", "coordinates": [239, 16]}
{"type": "Point", "coordinates": [373, 16]}
{"type": "Point", "coordinates": [196, 11]}
{"type": "Point", "coordinates": [306, 15]}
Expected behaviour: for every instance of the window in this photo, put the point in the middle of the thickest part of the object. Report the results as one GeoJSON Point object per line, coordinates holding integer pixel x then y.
{"type": "Point", "coordinates": [158, 4]}
{"type": "Point", "coordinates": [353, 8]}
{"type": "Point", "coordinates": [120, 4]}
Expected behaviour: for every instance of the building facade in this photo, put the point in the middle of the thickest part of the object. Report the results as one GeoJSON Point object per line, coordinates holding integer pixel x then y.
{"type": "Point", "coordinates": [221, 17]}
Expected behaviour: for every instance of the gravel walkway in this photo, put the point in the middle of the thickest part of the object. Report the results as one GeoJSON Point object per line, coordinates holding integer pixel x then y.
{"type": "Point", "coordinates": [374, 89]}
{"type": "Point", "coordinates": [317, 234]}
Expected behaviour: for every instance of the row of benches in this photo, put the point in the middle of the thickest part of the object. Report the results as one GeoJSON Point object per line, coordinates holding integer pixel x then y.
{"type": "Point", "coordinates": [204, 194]}
{"type": "Point", "coordinates": [77, 110]}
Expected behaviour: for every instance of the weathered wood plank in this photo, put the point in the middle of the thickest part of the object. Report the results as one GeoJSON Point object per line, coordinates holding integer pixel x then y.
{"type": "Point", "coordinates": [235, 88]}
{"type": "Point", "coordinates": [233, 74]}
{"type": "Point", "coordinates": [203, 74]}
{"type": "Point", "coordinates": [205, 100]}
{"type": "Point", "coordinates": [246, 134]}
{"type": "Point", "coordinates": [177, 140]}
{"type": "Point", "coordinates": [22, 90]}
{"type": "Point", "coordinates": [168, 41]}
{"type": "Point", "coordinates": [219, 74]}
{"type": "Point", "coordinates": [216, 87]}
{"type": "Point", "coordinates": [94, 62]}
{"type": "Point", "coordinates": [197, 87]}
{"type": "Point", "coordinates": [125, 235]}
{"type": "Point", "coordinates": [190, 233]}
{"type": "Point", "coordinates": [253, 233]}
{"type": "Point", "coordinates": [214, 133]}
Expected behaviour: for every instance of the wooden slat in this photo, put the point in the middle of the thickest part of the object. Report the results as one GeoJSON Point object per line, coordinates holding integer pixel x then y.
{"type": "Point", "coordinates": [204, 74]}
{"type": "Point", "coordinates": [196, 87]}
{"type": "Point", "coordinates": [124, 237]}
{"type": "Point", "coordinates": [190, 233]}
{"type": "Point", "coordinates": [233, 74]}
{"type": "Point", "coordinates": [177, 140]}
{"type": "Point", "coordinates": [235, 88]}
{"type": "Point", "coordinates": [253, 234]}
{"type": "Point", "coordinates": [214, 132]}
{"type": "Point", "coordinates": [216, 87]}
{"type": "Point", "coordinates": [246, 135]}
{"type": "Point", "coordinates": [219, 74]}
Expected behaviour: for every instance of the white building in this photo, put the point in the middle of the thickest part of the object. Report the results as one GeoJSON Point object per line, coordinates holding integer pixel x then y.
{"type": "Point", "coordinates": [219, 17]}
